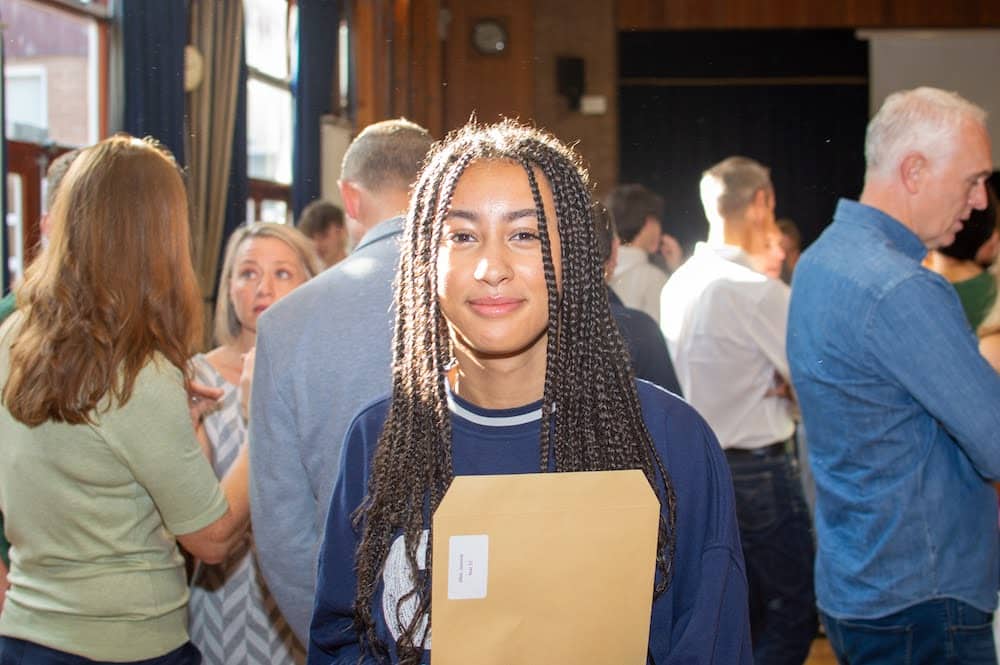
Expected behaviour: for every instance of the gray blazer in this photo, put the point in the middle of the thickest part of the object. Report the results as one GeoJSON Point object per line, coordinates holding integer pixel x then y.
{"type": "Point", "coordinates": [323, 352]}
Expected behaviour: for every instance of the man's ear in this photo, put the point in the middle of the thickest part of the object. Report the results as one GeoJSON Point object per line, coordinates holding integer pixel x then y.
{"type": "Point", "coordinates": [913, 171]}
{"type": "Point", "coordinates": [350, 194]}
{"type": "Point", "coordinates": [758, 206]}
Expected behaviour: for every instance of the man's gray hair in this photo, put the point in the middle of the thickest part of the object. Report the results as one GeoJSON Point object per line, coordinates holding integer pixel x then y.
{"type": "Point", "coordinates": [386, 155]}
{"type": "Point", "coordinates": [729, 187]}
{"type": "Point", "coordinates": [923, 119]}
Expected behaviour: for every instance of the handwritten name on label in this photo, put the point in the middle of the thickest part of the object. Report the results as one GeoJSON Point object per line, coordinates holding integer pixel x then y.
{"type": "Point", "coordinates": [468, 566]}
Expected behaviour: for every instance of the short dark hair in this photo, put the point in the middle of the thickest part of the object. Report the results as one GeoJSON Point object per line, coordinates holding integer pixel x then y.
{"type": "Point", "coordinates": [790, 229]}
{"type": "Point", "coordinates": [729, 187]}
{"type": "Point", "coordinates": [318, 216]}
{"type": "Point", "coordinates": [976, 230]}
{"type": "Point", "coordinates": [604, 230]}
{"type": "Point", "coordinates": [630, 205]}
{"type": "Point", "coordinates": [386, 155]}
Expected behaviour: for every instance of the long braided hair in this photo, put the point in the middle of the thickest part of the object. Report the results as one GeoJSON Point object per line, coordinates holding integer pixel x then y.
{"type": "Point", "coordinates": [598, 423]}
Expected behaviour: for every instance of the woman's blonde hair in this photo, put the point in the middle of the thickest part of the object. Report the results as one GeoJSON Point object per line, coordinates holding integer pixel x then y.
{"type": "Point", "coordinates": [114, 287]}
{"type": "Point", "coordinates": [227, 325]}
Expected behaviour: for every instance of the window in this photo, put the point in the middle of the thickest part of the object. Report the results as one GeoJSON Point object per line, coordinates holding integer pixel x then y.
{"type": "Point", "coordinates": [55, 98]}
{"type": "Point", "coordinates": [343, 67]}
{"type": "Point", "coordinates": [52, 73]}
{"type": "Point", "coordinates": [15, 226]}
{"type": "Point", "coordinates": [27, 109]}
{"type": "Point", "coordinates": [270, 38]}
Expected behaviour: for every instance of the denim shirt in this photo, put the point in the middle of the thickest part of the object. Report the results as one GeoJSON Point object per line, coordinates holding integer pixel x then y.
{"type": "Point", "coordinates": [903, 416]}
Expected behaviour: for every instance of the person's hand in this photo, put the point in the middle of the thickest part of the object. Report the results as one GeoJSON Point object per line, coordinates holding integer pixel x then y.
{"type": "Point", "coordinates": [246, 383]}
{"type": "Point", "coordinates": [781, 387]}
{"type": "Point", "coordinates": [671, 251]}
{"type": "Point", "coordinates": [202, 400]}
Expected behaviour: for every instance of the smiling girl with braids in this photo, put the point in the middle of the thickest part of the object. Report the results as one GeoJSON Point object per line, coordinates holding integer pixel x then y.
{"type": "Point", "coordinates": [506, 360]}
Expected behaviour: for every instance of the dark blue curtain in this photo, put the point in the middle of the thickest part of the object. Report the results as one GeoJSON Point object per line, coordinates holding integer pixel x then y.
{"type": "Point", "coordinates": [312, 88]}
{"type": "Point", "coordinates": [801, 110]}
{"type": "Point", "coordinates": [153, 37]}
{"type": "Point", "coordinates": [236, 202]}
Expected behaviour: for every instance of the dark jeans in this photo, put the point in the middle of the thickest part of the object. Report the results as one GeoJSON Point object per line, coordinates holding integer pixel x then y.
{"type": "Point", "coordinates": [776, 533]}
{"type": "Point", "coordinates": [936, 632]}
{"type": "Point", "coordinates": [19, 652]}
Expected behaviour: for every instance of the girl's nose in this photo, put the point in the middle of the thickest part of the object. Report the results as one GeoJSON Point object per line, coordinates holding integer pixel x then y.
{"type": "Point", "coordinates": [493, 267]}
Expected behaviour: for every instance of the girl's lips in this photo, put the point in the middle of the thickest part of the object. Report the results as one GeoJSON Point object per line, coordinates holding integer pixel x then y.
{"type": "Point", "coordinates": [259, 309]}
{"type": "Point", "coordinates": [497, 306]}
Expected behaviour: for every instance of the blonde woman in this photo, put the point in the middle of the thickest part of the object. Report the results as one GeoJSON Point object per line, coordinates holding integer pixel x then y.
{"type": "Point", "coordinates": [233, 617]}
{"type": "Point", "coordinates": [102, 474]}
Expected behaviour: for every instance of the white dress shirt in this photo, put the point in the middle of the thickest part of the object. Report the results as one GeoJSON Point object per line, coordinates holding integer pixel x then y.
{"type": "Point", "coordinates": [637, 281]}
{"type": "Point", "coordinates": [725, 327]}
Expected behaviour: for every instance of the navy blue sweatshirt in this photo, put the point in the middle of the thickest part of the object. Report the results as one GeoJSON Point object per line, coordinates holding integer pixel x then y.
{"type": "Point", "coordinates": [701, 618]}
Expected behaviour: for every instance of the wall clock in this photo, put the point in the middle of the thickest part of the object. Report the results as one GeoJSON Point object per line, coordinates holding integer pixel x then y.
{"type": "Point", "coordinates": [489, 37]}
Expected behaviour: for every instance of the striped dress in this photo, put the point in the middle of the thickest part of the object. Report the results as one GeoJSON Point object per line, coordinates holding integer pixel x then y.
{"type": "Point", "coordinates": [233, 617]}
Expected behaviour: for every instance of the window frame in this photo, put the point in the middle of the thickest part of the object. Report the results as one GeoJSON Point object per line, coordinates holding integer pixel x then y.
{"type": "Point", "coordinates": [261, 189]}
{"type": "Point", "coordinates": [29, 160]}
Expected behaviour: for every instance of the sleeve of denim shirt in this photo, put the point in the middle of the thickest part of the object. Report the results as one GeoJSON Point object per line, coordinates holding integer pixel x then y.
{"type": "Point", "coordinates": [919, 333]}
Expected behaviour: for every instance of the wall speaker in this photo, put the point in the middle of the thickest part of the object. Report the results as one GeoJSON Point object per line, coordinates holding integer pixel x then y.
{"type": "Point", "coordinates": [569, 80]}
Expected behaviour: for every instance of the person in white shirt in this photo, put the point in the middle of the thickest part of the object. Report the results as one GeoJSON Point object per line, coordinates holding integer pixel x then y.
{"type": "Point", "coordinates": [725, 323]}
{"type": "Point", "coordinates": [636, 280]}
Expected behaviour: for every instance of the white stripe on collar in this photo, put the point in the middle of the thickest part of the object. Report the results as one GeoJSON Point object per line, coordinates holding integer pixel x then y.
{"type": "Point", "coordinates": [490, 421]}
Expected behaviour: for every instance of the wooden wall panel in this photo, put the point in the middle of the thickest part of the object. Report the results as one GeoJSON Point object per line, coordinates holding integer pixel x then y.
{"type": "Point", "coordinates": [489, 85]}
{"type": "Point", "coordinates": [425, 68]}
{"type": "Point", "coordinates": [370, 23]}
{"type": "Point", "coordinates": [681, 14]}
{"type": "Point", "coordinates": [401, 54]}
{"type": "Point", "coordinates": [584, 29]}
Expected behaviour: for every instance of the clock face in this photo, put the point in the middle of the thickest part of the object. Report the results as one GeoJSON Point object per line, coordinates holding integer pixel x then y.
{"type": "Point", "coordinates": [489, 37]}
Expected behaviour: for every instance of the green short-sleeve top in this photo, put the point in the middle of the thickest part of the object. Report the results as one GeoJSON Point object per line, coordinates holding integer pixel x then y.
{"type": "Point", "coordinates": [91, 512]}
{"type": "Point", "coordinates": [977, 296]}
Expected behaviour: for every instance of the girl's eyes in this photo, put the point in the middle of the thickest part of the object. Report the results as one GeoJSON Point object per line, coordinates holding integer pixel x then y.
{"type": "Point", "coordinates": [518, 236]}
{"type": "Point", "coordinates": [247, 274]}
{"type": "Point", "coordinates": [284, 274]}
{"type": "Point", "coordinates": [526, 236]}
{"type": "Point", "coordinates": [460, 237]}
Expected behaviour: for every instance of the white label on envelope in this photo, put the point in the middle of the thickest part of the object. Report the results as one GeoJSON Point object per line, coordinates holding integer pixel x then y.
{"type": "Point", "coordinates": [468, 566]}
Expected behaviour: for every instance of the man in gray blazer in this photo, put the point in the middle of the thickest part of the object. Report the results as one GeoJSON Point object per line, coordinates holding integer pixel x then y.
{"type": "Point", "coordinates": [323, 352]}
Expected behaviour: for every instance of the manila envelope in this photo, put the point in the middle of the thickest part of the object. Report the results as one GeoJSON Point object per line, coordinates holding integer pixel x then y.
{"type": "Point", "coordinates": [553, 568]}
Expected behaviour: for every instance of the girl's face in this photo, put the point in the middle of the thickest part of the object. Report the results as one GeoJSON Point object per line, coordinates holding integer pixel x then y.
{"type": "Point", "coordinates": [265, 270]}
{"type": "Point", "coordinates": [491, 283]}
